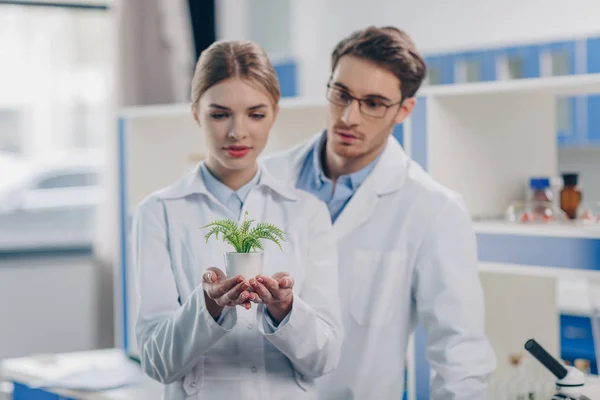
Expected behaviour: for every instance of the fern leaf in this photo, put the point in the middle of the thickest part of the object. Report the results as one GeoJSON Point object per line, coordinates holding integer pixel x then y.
{"type": "Point", "coordinates": [269, 232]}
{"type": "Point", "coordinates": [251, 243]}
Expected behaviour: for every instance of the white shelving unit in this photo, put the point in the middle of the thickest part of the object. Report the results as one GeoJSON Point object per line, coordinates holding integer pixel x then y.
{"type": "Point", "coordinates": [485, 140]}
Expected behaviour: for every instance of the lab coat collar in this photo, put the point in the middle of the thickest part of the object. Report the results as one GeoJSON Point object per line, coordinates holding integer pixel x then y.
{"type": "Point", "coordinates": [192, 183]}
{"type": "Point", "coordinates": [388, 175]}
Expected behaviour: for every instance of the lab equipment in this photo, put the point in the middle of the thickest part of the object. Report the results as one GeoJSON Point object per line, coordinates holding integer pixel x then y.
{"type": "Point", "coordinates": [571, 382]}
{"type": "Point", "coordinates": [539, 205]}
{"type": "Point", "coordinates": [540, 189]}
{"type": "Point", "coordinates": [533, 211]}
{"type": "Point", "coordinates": [570, 195]}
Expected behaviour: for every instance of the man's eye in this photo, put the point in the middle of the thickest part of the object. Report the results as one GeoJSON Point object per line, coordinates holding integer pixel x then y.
{"type": "Point", "coordinates": [374, 105]}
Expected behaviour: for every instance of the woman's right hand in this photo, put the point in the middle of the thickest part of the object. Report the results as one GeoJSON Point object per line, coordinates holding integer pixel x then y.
{"type": "Point", "coordinates": [221, 292]}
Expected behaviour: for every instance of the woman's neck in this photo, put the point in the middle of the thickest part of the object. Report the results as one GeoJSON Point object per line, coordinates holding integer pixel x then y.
{"type": "Point", "coordinates": [233, 179]}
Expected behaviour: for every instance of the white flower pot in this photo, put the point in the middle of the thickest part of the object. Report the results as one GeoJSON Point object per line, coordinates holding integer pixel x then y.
{"type": "Point", "coordinates": [246, 264]}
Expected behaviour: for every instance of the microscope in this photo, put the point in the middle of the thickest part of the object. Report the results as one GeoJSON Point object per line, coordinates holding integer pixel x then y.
{"type": "Point", "coordinates": [570, 383]}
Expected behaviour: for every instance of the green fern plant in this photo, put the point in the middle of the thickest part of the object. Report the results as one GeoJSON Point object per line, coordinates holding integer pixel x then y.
{"type": "Point", "coordinates": [243, 237]}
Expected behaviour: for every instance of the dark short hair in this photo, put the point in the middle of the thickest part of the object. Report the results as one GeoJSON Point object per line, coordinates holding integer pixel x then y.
{"type": "Point", "coordinates": [389, 48]}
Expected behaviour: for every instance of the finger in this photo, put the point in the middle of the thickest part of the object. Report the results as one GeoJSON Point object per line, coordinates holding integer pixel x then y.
{"type": "Point", "coordinates": [261, 291]}
{"type": "Point", "coordinates": [255, 298]}
{"type": "Point", "coordinates": [287, 282]}
{"type": "Point", "coordinates": [277, 276]}
{"type": "Point", "coordinates": [219, 289]}
{"type": "Point", "coordinates": [244, 297]}
{"type": "Point", "coordinates": [237, 295]}
{"type": "Point", "coordinates": [229, 298]}
{"type": "Point", "coordinates": [216, 274]}
{"type": "Point", "coordinates": [271, 284]}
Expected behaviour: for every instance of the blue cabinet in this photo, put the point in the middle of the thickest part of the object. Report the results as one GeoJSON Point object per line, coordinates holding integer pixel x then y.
{"type": "Point", "coordinates": [286, 74]}
{"type": "Point", "coordinates": [440, 69]}
{"type": "Point", "coordinates": [578, 118]}
{"type": "Point", "coordinates": [525, 58]}
{"type": "Point", "coordinates": [593, 105]}
{"type": "Point", "coordinates": [577, 340]}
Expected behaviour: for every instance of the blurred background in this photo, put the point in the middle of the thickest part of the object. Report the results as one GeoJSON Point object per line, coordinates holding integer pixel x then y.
{"type": "Point", "coordinates": [94, 114]}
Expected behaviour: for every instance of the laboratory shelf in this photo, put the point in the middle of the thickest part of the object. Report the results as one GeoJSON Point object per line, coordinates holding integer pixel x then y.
{"type": "Point", "coordinates": [566, 230]}
{"type": "Point", "coordinates": [556, 85]}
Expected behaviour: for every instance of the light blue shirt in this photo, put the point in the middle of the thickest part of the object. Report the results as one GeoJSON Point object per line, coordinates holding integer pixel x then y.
{"type": "Point", "coordinates": [312, 179]}
{"type": "Point", "coordinates": [232, 200]}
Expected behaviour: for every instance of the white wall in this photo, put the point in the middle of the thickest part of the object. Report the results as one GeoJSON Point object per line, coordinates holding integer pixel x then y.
{"type": "Point", "coordinates": [315, 26]}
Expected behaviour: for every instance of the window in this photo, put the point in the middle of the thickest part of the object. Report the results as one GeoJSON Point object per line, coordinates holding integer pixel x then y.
{"type": "Point", "coordinates": [56, 64]}
{"type": "Point", "coordinates": [559, 62]}
{"type": "Point", "coordinates": [68, 181]}
{"type": "Point", "coordinates": [11, 127]}
{"type": "Point", "coordinates": [472, 71]}
{"type": "Point", "coordinates": [516, 68]}
{"type": "Point", "coordinates": [434, 75]}
{"type": "Point", "coordinates": [563, 115]}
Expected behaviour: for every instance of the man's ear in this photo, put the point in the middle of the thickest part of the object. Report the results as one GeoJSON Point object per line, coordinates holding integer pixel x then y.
{"type": "Point", "coordinates": [195, 114]}
{"type": "Point", "coordinates": [406, 109]}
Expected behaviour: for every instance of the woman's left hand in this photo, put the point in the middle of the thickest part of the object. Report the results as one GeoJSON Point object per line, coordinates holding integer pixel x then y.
{"type": "Point", "coordinates": [275, 292]}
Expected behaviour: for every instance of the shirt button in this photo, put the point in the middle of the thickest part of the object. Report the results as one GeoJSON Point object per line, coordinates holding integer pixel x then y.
{"type": "Point", "coordinates": [193, 384]}
{"type": "Point", "coordinates": [254, 369]}
{"type": "Point", "coordinates": [250, 326]}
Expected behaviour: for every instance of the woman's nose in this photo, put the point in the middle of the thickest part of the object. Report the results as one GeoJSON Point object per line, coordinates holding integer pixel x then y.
{"type": "Point", "coordinates": [237, 129]}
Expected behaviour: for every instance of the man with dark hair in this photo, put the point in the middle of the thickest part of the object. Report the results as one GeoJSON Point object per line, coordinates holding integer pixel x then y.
{"type": "Point", "coordinates": [406, 245]}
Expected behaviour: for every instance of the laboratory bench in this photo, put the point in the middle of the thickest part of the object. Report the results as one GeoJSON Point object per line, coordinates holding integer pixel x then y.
{"type": "Point", "coordinates": [27, 375]}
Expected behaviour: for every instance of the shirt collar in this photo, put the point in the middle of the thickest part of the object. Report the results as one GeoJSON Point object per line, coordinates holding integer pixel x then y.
{"type": "Point", "coordinates": [194, 183]}
{"type": "Point", "coordinates": [221, 191]}
{"type": "Point", "coordinates": [353, 180]}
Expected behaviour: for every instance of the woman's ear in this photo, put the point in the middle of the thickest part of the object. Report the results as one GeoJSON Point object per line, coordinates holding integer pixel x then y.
{"type": "Point", "coordinates": [195, 113]}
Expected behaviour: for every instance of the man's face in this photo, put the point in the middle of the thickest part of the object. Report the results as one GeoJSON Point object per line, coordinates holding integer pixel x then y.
{"type": "Point", "coordinates": [353, 133]}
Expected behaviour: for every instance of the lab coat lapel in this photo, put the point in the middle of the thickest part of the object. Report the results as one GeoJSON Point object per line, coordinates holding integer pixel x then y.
{"type": "Point", "coordinates": [358, 210]}
{"type": "Point", "coordinates": [387, 177]}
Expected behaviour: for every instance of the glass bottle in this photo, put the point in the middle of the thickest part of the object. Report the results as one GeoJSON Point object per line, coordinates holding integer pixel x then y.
{"type": "Point", "coordinates": [570, 195]}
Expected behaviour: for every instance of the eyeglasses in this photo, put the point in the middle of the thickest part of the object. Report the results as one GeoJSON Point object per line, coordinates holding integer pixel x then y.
{"type": "Point", "coordinates": [369, 107]}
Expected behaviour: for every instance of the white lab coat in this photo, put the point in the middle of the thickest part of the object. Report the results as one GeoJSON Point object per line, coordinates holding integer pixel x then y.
{"type": "Point", "coordinates": [180, 343]}
{"type": "Point", "coordinates": [407, 251]}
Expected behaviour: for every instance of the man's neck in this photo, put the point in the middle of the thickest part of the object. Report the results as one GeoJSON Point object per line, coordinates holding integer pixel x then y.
{"type": "Point", "coordinates": [335, 166]}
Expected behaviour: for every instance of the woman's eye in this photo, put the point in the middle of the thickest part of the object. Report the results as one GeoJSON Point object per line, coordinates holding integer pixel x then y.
{"type": "Point", "coordinates": [257, 116]}
{"type": "Point", "coordinates": [219, 115]}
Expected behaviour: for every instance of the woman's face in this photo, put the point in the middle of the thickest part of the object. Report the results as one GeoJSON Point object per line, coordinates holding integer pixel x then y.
{"type": "Point", "coordinates": [236, 118]}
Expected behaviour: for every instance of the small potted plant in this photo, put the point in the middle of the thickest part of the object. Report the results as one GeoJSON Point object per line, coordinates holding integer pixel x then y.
{"type": "Point", "coordinates": [247, 259]}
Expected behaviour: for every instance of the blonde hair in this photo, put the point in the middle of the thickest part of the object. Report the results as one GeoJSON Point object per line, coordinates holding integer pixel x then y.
{"type": "Point", "coordinates": [227, 59]}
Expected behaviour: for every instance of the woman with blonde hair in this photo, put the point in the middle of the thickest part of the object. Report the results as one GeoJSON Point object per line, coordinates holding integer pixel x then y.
{"type": "Point", "coordinates": [209, 336]}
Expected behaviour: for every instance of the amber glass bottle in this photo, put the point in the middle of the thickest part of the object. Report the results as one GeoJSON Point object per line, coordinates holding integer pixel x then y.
{"type": "Point", "coordinates": [570, 195]}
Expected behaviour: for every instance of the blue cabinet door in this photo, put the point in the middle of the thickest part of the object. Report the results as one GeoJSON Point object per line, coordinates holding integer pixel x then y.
{"type": "Point", "coordinates": [593, 104]}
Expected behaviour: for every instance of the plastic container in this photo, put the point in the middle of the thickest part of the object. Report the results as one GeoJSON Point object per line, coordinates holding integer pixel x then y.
{"type": "Point", "coordinates": [540, 190]}
{"type": "Point", "coordinates": [570, 195]}
{"type": "Point", "coordinates": [538, 212]}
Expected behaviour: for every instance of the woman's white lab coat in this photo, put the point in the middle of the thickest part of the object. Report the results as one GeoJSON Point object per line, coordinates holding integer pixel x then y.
{"type": "Point", "coordinates": [182, 346]}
